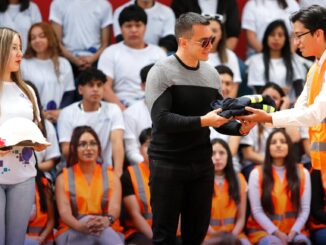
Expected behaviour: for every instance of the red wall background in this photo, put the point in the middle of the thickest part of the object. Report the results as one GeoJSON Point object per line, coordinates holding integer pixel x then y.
{"type": "Point", "coordinates": [44, 6]}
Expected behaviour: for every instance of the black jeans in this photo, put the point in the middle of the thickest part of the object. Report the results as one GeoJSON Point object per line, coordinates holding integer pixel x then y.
{"type": "Point", "coordinates": [184, 189]}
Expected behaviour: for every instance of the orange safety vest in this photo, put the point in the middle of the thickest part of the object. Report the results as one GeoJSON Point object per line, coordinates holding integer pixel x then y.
{"type": "Point", "coordinates": [317, 133]}
{"type": "Point", "coordinates": [224, 210]}
{"type": "Point", "coordinates": [284, 215]}
{"type": "Point", "coordinates": [139, 175]}
{"type": "Point", "coordinates": [37, 225]}
{"type": "Point", "coordinates": [88, 199]}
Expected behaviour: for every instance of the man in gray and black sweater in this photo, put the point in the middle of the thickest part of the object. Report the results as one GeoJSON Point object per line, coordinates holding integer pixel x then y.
{"type": "Point", "coordinates": [179, 91]}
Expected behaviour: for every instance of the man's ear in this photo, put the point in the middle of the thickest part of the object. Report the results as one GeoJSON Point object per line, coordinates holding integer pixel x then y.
{"type": "Point", "coordinates": [80, 89]}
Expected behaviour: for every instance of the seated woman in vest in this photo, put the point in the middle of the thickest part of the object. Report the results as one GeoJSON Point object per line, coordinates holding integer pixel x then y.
{"type": "Point", "coordinates": [230, 194]}
{"type": "Point", "coordinates": [317, 223]}
{"type": "Point", "coordinates": [41, 223]}
{"type": "Point", "coordinates": [279, 195]}
{"type": "Point", "coordinates": [88, 195]}
{"type": "Point", "coordinates": [136, 197]}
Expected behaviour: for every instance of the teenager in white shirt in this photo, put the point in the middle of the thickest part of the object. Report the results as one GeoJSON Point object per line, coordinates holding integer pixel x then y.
{"type": "Point", "coordinates": [19, 15]}
{"type": "Point", "coordinates": [17, 168]}
{"type": "Point", "coordinates": [160, 24]}
{"type": "Point", "coordinates": [51, 73]}
{"type": "Point", "coordinates": [276, 63]}
{"type": "Point", "coordinates": [105, 118]}
{"type": "Point", "coordinates": [82, 27]}
{"type": "Point", "coordinates": [123, 61]}
{"type": "Point", "coordinates": [257, 14]}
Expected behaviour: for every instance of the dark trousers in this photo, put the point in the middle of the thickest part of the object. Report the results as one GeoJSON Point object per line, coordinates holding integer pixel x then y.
{"type": "Point", "coordinates": [181, 189]}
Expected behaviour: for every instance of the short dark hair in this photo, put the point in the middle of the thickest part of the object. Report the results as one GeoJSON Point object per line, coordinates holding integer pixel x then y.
{"type": "Point", "coordinates": [223, 69]}
{"type": "Point", "coordinates": [144, 72]}
{"type": "Point", "coordinates": [89, 75]}
{"type": "Point", "coordinates": [313, 18]}
{"type": "Point", "coordinates": [183, 25]}
{"type": "Point", "coordinates": [132, 13]}
{"type": "Point", "coordinates": [145, 134]}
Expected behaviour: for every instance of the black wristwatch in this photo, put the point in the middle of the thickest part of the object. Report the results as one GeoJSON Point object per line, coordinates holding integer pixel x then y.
{"type": "Point", "coordinates": [111, 218]}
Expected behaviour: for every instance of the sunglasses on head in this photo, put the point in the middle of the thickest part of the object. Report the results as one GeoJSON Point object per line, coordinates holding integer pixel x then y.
{"type": "Point", "coordinates": [217, 17]}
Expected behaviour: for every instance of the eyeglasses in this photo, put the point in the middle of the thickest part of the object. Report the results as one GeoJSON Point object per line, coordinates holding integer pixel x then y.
{"type": "Point", "coordinates": [298, 36]}
{"type": "Point", "coordinates": [206, 41]}
{"type": "Point", "coordinates": [217, 17]}
{"type": "Point", "coordinates": [84, 144]}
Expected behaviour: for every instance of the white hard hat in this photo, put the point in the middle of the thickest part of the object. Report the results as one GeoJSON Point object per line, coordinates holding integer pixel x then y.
{"type": "Point", "coordinates": [20, 131]}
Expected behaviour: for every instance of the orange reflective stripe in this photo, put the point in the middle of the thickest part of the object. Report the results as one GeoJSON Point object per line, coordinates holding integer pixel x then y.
{"type": "Point", "coordinates": [140, 178]}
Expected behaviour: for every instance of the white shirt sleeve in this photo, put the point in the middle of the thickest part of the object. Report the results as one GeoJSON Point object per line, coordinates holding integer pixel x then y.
{"type": "Point", "coordinates": [116, 25]}
{"type": "Point", "coordinates": [64, 126]}
{"type": "Point", "coordinates": [53, 150]}
{"type": "Point", "coordinates": [168, 27]}
{"type": "Point", "coordinates": [248, 16]}
{"type": "Point", "coordinates": [106, 62]}
{"type": "Point", "coordinates": [106, 18]}
{"type": "Point", "coordinates": [256, 206]}
{"type": "Point", "coordinates": [35, 13]}
{"type": "Point", "coordinates": [67, 75]}
{"type": "Point", "coordinates": [305, 205]}
{"type": "Point", "coordinates": [56, 13]}
{"type": "Point", "coordinates": [256, 70]}
{"type": "Point", "coordinates": [117, 118]}
{"type": "Point", "coordinates": [301, 115]}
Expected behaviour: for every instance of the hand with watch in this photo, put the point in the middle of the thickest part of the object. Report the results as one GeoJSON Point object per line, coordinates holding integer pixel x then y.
{"type": "Point", "coordinates": [111, 219]}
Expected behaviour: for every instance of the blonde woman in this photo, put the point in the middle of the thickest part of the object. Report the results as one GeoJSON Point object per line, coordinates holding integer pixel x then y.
{"type": "Point", "coordinates": [17, 166]}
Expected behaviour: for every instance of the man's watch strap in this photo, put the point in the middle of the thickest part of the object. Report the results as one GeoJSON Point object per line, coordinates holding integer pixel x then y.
{"type": "Point", "coordinates": [110, 218]}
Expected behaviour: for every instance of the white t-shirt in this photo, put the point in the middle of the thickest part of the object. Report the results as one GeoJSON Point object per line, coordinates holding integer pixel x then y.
{"type": "Point", "coordinates": [82, 22]}
{"type": "Point", "coordinates": [277, 71]}
{"type": "Point", "coordinates": [307, 3]}
{"type": "Point", "coordinates": [53, 150]}
{"type": "Point", "coordinates": [208, 6]}
{"type": "Point", "coordinates": [136, 119]}
{"type": "Point", "coordinates": [42, 74]}
{"type": "Point", "coordinates": [18, 165]}
{"type": "Point", "coordinates": [21, 21]}
{"type": "Point", "coordinates": [257, 14]}
{"type": "Point", "coordinates": [160, 21]}
{"type": "Point", "coordinates": [103, 121]}
{"type": "Point", "coordinates": [123, 65]}
{"type": "Point", "coordinates": [232, 63]}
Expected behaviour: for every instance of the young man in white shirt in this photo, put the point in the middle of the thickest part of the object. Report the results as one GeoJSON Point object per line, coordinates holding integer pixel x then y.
{"type": "Point", "coordinates": [136, 118]}
{"type": "Point", "coordinates": [122, 62]}
{"type": "Point", "coordinates": [160, 24]}
{"type": "Point", "coordinates": [82, 28]}
{"type": "Point", "coordinates": [105, 118]}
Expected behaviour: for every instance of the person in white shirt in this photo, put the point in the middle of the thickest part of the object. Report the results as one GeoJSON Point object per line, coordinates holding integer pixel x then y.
{"type": "Point", "coordinates": [105, 118]}
{"type": "Point", "coordinates": [307, 3]}
{"type": "Point", "coordinates": [276, 63]}
{"type": "Point", "coordinates": [122, 62]}
{"type": "Point", "coordinates": [19, 15]}
{"type": "Point", "coordinates": [51, 73]}
{"type": "Point", "coordinates": [83, 30]}
{"type": "Point", "coordinates": [136, 118]}
{"type": "Point", "coordinates": [219, 53]}
{"type": "Point", "coordinates": [17, 165]}
{"type": "Point", "coordinates": [160, 24]}
{"type": "Point", "coordinates": [257, 14]}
